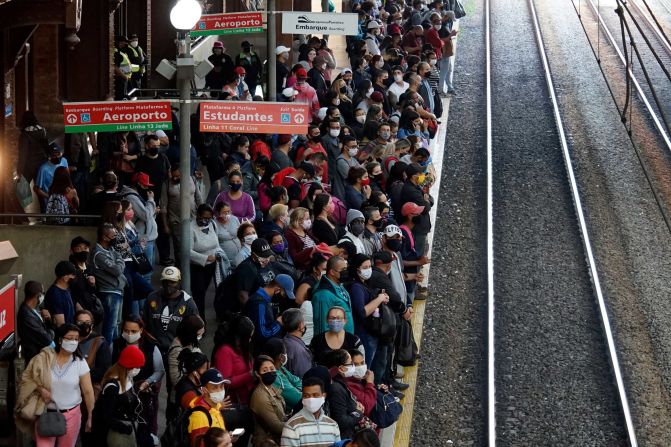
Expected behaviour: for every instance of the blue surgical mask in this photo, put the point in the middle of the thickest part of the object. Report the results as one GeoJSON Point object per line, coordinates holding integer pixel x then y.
{"type": "Point", "coordinates": [336, 325]}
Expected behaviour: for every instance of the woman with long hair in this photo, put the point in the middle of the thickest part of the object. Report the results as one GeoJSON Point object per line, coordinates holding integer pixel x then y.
{"type": "Point", "coordinates": [63, 197]}
{"type": "Point", "coordinates": [266, 402]}
{"type": "Point", "coordinates": [313, 273]}
{"type": "Point", "coordinates": [324, 228]}
{"type": "Point", "coordinates": [227, 228]}
{"type": "Point", "coordinates": [137, 287]}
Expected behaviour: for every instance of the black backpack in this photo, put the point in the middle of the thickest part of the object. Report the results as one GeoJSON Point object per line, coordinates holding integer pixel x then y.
{"type": "Point", "coordinates": [176, 434]}
{"type": "Point", "coordinates": [382, 327]}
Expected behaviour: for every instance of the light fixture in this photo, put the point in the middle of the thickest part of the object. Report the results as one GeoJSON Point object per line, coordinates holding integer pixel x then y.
{"type": "Point", "coordinates": [185, 14]}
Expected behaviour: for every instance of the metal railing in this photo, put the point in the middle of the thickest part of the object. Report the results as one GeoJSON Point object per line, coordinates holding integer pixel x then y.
{"type": "Point", "coordinates": [44, 219]}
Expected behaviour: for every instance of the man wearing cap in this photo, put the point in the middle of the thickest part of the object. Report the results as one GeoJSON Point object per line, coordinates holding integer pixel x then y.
{"type": "Point", "coordinates": [166, 308]}
{"type": "Point", "coordinates": [45, 173]}
{"type": "Point", "coordinates": [58, 300]}
{"type": "Point", "coordinates": [292, 182]}
{"type": "Point", "coordinates": [281, 70]}
{"type": "Point", "coordinates": [251, 63]}
{"type": "Point", "coordinates": [242, 89]}
{"type": "Point", "coordinates": [372, 44]}
{"type": "Point", "coordinates": [306, 94]}
{"type": "Point", "coordinates": [122, 68]}
{"type": "Point", "coordinates": [288, 95]}
{"type": "Point", "coordinates": [222, 66]}
{"type": "Point", "coordinates": [330, 291]}
{"type": "Point", "coordinates": [141, 198]}
{"type": "Point", "coordinates": [316, 77]}
{"type": "Point", "coordinates": [211, 401]}
{"type": "Point", "coordinates": [259, 308]}
{"type": "Point", "coordinates": [256, 271]}
{"type": "Point", "coordinates": [138, 60]}
{"type": "Point", "coordinates": [83, 287]}
{"type": "Point", "coordinates": [413, 192]}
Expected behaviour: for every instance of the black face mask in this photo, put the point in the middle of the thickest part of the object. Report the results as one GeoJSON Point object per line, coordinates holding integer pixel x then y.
{"type": "Point", "coordinates": [416, 219]}
{"type": "Point", "coordinates": [379, 224]}
{"type": "Point", "coordinates": [394, 244]}
{"type": "Point", "coordinates": [343, 89]}
{"type": "Point", "coordinates": [316, 138]}
{"type": "Point", "coordinates": [153, 151]}
{"type": "Point", "coordinates": [55, 160]}
{"type": "Point", "coordinates": [84, 329]}
{"type": "Point", "coordinates": [344, 276]}
{"type": "Point", "coordinates": [80, 256]}
{"type": "Point", "coordinates": [269, 377]}
{"type": "Point", "coordinates": [356, 228]}
{"type": "Point", "coordinates": [235, 186]}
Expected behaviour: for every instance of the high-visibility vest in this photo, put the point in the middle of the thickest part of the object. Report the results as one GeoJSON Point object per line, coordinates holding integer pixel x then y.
{"type": "Point", "coordinates": [136, 68]}
{"type": "Point", "coordinates": [125, 66]}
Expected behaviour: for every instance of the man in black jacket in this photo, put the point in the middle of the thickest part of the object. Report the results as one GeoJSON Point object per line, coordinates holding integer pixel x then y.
{"type": "Point", "coordinates": [412, 192]}
{"type": "Point", "coordinates": [33, 333]}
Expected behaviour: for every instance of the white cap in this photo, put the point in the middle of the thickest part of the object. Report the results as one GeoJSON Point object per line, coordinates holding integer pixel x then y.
{"type": "Point", "coordinates": [322, 113]}
{"type": "Point", "coordinates": [281, 49]}
{"type": "Point", "coordinates": [373, 24]}
{"type": "Point", "coordinates": [171, 274]}
{"type": "Point", "coordinates": [392, 230]}
{"type": "Point", "coordinates": [289, 92]}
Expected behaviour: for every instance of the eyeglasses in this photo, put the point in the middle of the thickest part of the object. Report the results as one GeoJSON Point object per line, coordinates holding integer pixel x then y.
{"type": "Point", "coordinates": [334, 319]}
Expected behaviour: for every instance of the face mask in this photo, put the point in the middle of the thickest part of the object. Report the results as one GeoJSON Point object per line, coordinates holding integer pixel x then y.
{"type": "Point", "coordinates": [437, 27]}
{"type": "Point", "coordinates": [334, 132]}
{"type": "Point", "coordinates": [202, 222]}
{"type": "Point", "coordinates": [69, 345]}
{"type": "Point", "coordinates": [433, 61]}
{"type": "Point", "coordinates": [40, 299]}
{"type": "Point", "coordinates": [398, 78]}
{"type": "Point", "coordinates": [278, 248]}
{"type": "Point", "coordinates": [81, 256]}
{"type": "Point", "coordinates": [84, 329]}
{"type": "Point", "coordinates": [55, 160]}
{"type": "Point", "coordinates": [343, 89]}
{"type": "Point", "coordinates": [269, 377]}
{"type": "Point", "coordinates": [357, 228]}
{"type": "Point", "coordinates": [369, 92]}
{"type": "Point", "coordinates": [360, 371]}
{"type": "Point", "coordinates": [235, 187]}
{"type": "Point", "coordinates": [218, 396]}
{"type": "Point", "coordinates": [394, 244]}
{"type": "Point", "coordinates": [249, 239]}
{"type": "Point", "coordinates": [353, 151]}
{"type": "Point", "coordinates": [350, 371]}
{"type": "Point", "coordinates": [133, 372]}
{"type": "Point", "coordinates": [307, 224]}
{"type": "Point", "coordinates": [361, 118]}
{"type": "Point", "coordinates": [316, 138]}
{"type": "Point", "coordinates": [313, 404]}
{"type": "Point", "coordinates": [365, 274]}
{"type": "Point", "coordinates": [385, 135]}
{"type": "Point", "coordinates": [323, 273]}
{"type": "Point", "coordinates": [380, 223]}
{"type": "Point", "coordinates": [336, 325]}
{"type": "Point", "coordinates": [365, 182]}
{"type": "Point", "coordinates": [153, 151]}
{"type": "Point", "coordinates": [131, 338]}
{"type": "Point", "coordinates": [427, 74]}
{"type": "Point", "coordinates": [336, 102]}
{"type": "Point", "coordinates": [323, 67]}
{"type": "Point", "coordinates": [133, 44]}
{"type": "Point", "coordinates": [129, 214]}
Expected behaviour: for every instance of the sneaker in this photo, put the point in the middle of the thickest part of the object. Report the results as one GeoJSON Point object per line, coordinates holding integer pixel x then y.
{"type": "Point", "coordinates": [398, 394]}
{"type": "Point", "coordinates": [399, 386]}
{"type": "Point", "coordinates": [451, 92]}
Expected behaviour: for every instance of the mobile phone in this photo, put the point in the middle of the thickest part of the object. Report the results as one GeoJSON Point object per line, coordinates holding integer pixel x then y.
{"type": "Point", "coordinates": [238, 432]}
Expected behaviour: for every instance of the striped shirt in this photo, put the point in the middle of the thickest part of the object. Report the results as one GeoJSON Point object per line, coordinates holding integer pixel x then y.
{"type": "Point", "coordinates": [303, 430]}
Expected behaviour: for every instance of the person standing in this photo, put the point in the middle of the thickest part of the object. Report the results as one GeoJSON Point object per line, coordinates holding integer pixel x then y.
{"type": "Point", "coordinates": [204, 251]}
{"type": "Point", "coordinates": [252, 64]}
{"type": "Point", "coordinates": [45, 174]}
{"type": "Point", "coordinates": [58, 300]}
{"type": "Point", "coordinates": [33, 333]}
{"type": "Point", "coordinates": [122, 68]}
{"type": "Point", "coordinates": [222, 66]}
{"type": "Point", "coordinates": [33, 146]}
{"type": "Point", "coordinates": [138, 60]}
{"type": "Point", "coordinates": [172, 202]}
{"type": "Point", "coordinates": [331, 292]}
{"type": "Point", "coordinates": [282, 71]}
{"type": "Point", "coordinates": [412, 192]}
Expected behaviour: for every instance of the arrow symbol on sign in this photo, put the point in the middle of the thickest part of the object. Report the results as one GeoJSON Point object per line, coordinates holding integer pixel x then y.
{"type": "Point", "coordinates": [71, 118]}
{"type": "Point", "coordinates": [299, 118]}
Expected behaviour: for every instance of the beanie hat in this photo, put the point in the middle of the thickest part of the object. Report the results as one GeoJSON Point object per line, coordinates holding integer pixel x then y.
{"type": "Point", "coordinates": [131, 357]}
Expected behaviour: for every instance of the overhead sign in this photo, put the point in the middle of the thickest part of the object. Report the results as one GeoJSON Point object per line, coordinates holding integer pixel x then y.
{"type": "Point", "coordinates": [117, 116]}
{"type": "Point", "coordinates": [7, 314]}
{"type": "Point", "coordinates": [254, 117]}
{"type": "Point", "coordinates": [234, 23]}
{"type": "Point", "coordinates": [320, 23]}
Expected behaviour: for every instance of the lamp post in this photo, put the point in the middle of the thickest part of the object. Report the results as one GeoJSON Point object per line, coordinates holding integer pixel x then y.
{"type": "Point", "coordinates": [183, 17]}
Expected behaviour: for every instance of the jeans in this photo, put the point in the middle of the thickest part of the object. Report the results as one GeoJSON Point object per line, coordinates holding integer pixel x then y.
{"type": "Point", "coordinates": [136, 292]}
{"type": "Point", "coordinates": [445, 80]}
{"type": "Point", "coordinates": [378, 357]}
{"type": "Point", "coordinates": [420, 243]}
{"type": "Point", "coordinates": [201, 277]}
{"type": "Point", "coordinates": [149, 253]}
{"type": "Point", "coordinates": [113, 305]}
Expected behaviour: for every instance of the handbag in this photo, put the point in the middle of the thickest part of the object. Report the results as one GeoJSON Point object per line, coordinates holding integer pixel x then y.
{"type": "Point", "coordinates": [142, 264]}
{"type": "Point", "coordinates": [51, 424]}
{"type": "Point", "coordinates": [387, 409]}
{"type": "Point", "coordinates": [23, 192]}
{"type": "Point", "coordinates": [459, 11]}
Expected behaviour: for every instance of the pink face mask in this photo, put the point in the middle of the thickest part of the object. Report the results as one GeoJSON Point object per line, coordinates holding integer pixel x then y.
{"type": "Point", "coordinates": [129, 214]}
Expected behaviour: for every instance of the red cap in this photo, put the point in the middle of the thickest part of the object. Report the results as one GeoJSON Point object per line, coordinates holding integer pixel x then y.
{"type": "Point", "coordinates": [301, 73]}
{"type": "Point", "coordinates": [240, 71]}
{"type": "Point", "coordinates": [142, 179]}
{"type": "Point", "coordinates": [131, 357]}
{"type": "Point", "coordinates": [218, 44]}
{"type": "Point", "coordinates": [324, 249]}
{"type": "Point", "coordinates": [411, 208]}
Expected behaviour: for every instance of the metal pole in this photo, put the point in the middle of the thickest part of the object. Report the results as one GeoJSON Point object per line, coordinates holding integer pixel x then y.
{"type": "Point", "coordinates": [184, 77]}
{"type": "Point", "coordinates": [272, 58]}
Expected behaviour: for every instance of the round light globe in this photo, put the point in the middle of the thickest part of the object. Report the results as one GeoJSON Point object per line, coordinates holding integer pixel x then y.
{"type": "Point", "coordinates": [185, 14]}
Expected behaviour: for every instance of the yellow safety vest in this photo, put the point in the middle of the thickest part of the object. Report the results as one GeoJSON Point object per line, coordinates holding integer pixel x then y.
{"type": "Point", "coordinates": [135, 68]}
{"type": "Point", "coordinates": [125, 66]}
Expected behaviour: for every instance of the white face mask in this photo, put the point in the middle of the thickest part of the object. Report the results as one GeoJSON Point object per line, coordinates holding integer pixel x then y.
{"type": "Point", "coordinates": [398, 78]}
{"type": "Point", "coordinates": [433, 61]}
{"type": "Point", "coordinates": [285, 359]}
{"type": "Point", "coordinates": [361, 118]}
{"type": "Point", "coordinates": [133, 43]}
{"type": "Point", "coordinates": [398, 22]}
{"type": "Point", "coordinates": [307, 224]}
{"type": "Point", "coordinates": [360, 371]}
{"type": "Point", "coordinates": [40, 299]}
{"type": "Point", "coordinates": [369, 92]}
{"type": "Point", "coordinates": [349, 372]}
{"type": "Point", "coordinates": [249, 239]}
{"type": "Point", "coordinates": [218, 397]}
{"type": "Point", "coordinates": [313, 404]}
{"type": "Point", "coordinates": [336, 102]}
{"type": "Point", "coordinates": [69, 345]}
{"type": "Point", "coordinates": [131, 338]}
{"type": "Point", "coordinates": [366, 273]}
{"type": "Point", "coordinates": [133, 372]}
{"type": "Point", "coordinates": [199, 337]}
{"type": "Point", "coordinates": [334, 132]}
{"type": "Point", "coordinates": [352, 152]}
{"type": "Point", "coordinates": [438, 27]}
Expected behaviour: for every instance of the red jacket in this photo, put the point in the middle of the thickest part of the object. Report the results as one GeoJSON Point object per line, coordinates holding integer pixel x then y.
{"type": "Point", "coordinates": [365, 392]}
{"type": "Point", "coordinates": [233, 367]}
{"type": "Point", "coordinates": [301, 256]}
{"type": "Point", "coordinates": [431, 36]}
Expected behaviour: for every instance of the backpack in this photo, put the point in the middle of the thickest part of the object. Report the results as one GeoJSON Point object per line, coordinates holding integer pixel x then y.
{"type": "Point", "coordinates": [177, 432]}
{"type": "Point", "coordinates": [387, 410]}
{"type": "Point", "coordinates": [382, 327]}
{"type": "Point", "coordinates": [339, 211]}
{"type": "Point", "coordinates": [406, 348]}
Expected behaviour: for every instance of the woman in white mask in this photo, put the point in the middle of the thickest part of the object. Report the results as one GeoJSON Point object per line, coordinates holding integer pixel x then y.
{"type": "Point", "coordinates": [246, 235]}
{"type": "Point", "coordinates": [362, 383]}
{"type": "Point", "coordinates": [57, 378]}
{"type": "Point", "coordinates": [289, 385]}
{"type": "Point", "coordinates": [344, 408]}
{"type": "Point", "coordinates": [267, 403]}
{"type": "Point", "coordinates": [117, 408]}
{"type": "Point", "coordinates": [147, 381]}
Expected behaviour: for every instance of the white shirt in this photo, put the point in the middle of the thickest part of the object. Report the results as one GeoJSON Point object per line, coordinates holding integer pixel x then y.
{"type": "Point", "coordinates": [65, 389]}
{"type": "Point", "coordinates": [398, 90]}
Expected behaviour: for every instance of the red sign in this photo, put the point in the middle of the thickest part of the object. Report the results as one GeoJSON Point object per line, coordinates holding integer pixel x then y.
{"type": "Point", "coordinates": [254, 117]}
{"type": "Point", "coordinates": [235, 23]}
{"type": "Point", "coordinates": [7, 310]}
{"type": "Point", "coordinates": [108, 116]}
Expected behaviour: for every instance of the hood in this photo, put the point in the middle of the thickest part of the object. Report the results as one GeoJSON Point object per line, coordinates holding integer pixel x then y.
{"type": "Point", "coordinates": [353, 214]}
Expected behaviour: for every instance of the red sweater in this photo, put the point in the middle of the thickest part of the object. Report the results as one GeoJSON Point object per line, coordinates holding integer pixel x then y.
{"type": "Point", "coordinates": [301, 256]}
{"type": "Point", "coordinates": [233, 367]}
{"type": "Point", "coordinates": [365, 392]}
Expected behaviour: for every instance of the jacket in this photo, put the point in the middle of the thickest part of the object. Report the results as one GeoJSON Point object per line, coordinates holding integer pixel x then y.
{"type": "Point", "coordinates": [380, 280]}
{"type": "Point", "coordinates": [326, 295]}
{"type": "Point", "coordinates": [413, 193]}
{"type": "Point", "coordinates": [29, 403]}
{"type": "Point", "coordinates": [164, 328]}
{"type": "Point", "coordinates": [107, 265]}
{"type": "Point", "coordinates": [365, 392]}
{"type": "Point", "coordinates": [259, 309]}
{"type": "Point", "coordinates": [267, 405]}
{"type": "Point", "coordinates": [33, 332]}
{"type": "Point", "coordinates": [145, 212]}
{"type": "Point", "coordinates": [232, 366]}
{"type": "Point", "coordinates": [342, 405]}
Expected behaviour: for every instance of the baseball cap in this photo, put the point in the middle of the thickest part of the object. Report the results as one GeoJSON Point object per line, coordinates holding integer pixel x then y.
{"type": "Point", "coordinates": [373, 24]}
{"type": "Point", "coordinates": [261, 248]}
{"type": "Point", "coordinates": [218, 44]}
{"type": "Point", "coordinates": [346, 70]}
{"type": "Point", "coordinates": [284, 138]}
{"type": "Point", "coordinates": [392, 231]}
{"type": "Point", "coordinates": [78, 241]}
{"type": "Point", "coordinates": [301, 73]}
{"type": "Point", "coordinates": [134, 36]}
{"type": "Point", "coordinates": [212, 376]}
{"type": "Point", "coordinates": [282, 49]}
{"type": "Point", "coordinates": [413, 169]}
{"type": "Point", "coordinates": [411, 208]}
{"type": "Point", "coordinates": [142, 179]}
{"type": "Point", "coordinates": [246, 43]}
{"type": "Point", "coordinates": [64, 268]}
{"type": "Point", "coordinates": [287, 284]}
{"type": "Point", "coordinates": [171, 274]}
{"type": "Point", "coordinates": [240, 70]}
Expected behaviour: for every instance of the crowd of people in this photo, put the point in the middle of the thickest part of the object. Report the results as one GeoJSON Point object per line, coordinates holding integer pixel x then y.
{"type": "Point", "coordinates": [312, 244]}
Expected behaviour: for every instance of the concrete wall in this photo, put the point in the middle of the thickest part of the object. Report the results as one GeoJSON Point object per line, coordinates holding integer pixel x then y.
{"type": "Point", "coordinates": [39, 247]}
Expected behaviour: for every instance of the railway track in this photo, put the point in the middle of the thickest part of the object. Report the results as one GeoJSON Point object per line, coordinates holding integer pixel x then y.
{"type": "Point", "coordinates": [553, 375]}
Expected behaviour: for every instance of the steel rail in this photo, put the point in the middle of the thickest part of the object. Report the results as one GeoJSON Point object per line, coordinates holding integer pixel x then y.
{"type": "Point", "coordinates": [577, 202]}
{"type": "Point", "coordinates": [658, 29]}
{"type": "Point", "coordinates": [641, 93]}
{"type": "Point", "coordinates": [662, 41]}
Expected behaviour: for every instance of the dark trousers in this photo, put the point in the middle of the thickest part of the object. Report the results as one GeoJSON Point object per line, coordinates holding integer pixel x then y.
{"type": "Point", "coordinates": [201, 277]}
